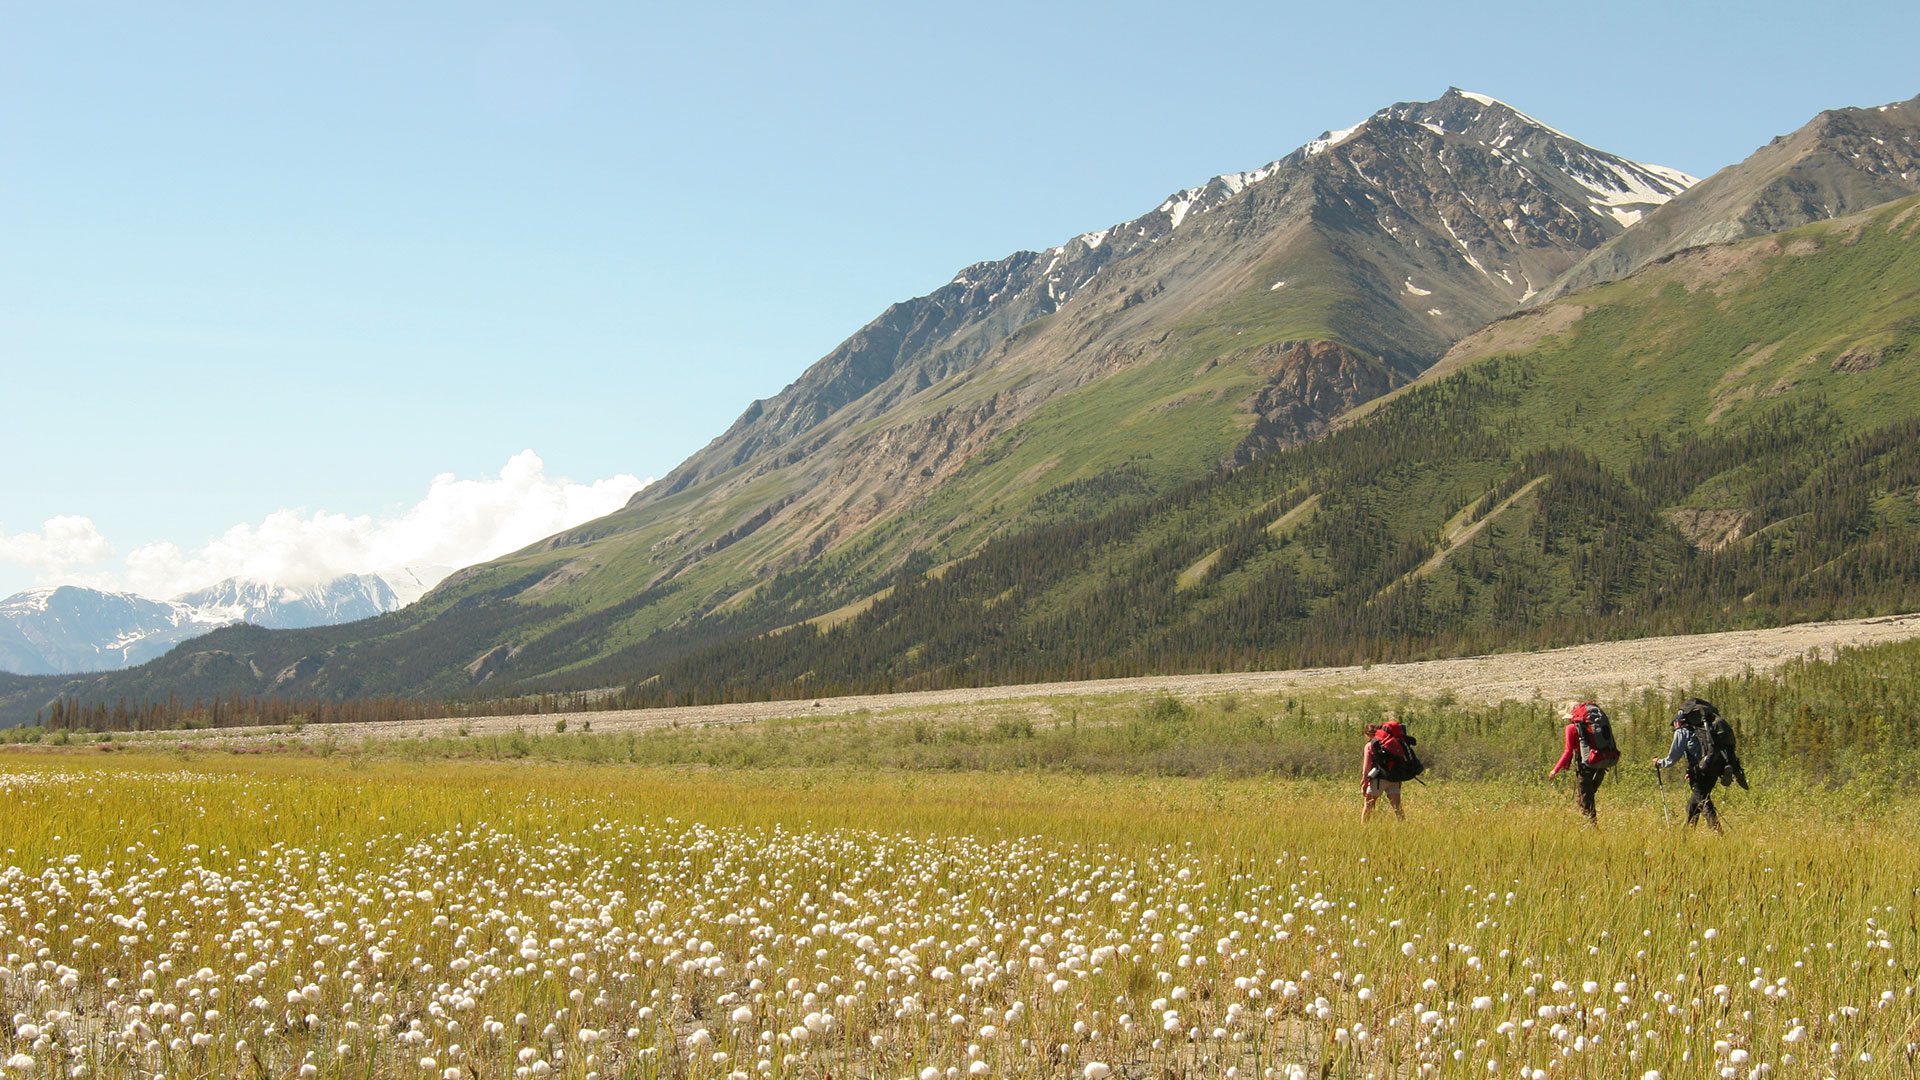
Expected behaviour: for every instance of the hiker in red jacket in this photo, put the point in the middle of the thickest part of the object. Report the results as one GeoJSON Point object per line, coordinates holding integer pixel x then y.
{"type": "Point", "coordinates": [1387, 760]}
{"type": "Point", "coordinates": [1591, 751]}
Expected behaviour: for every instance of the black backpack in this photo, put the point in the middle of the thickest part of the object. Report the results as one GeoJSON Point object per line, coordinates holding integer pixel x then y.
{"type": "Point", "coordinates": [1719, 747]}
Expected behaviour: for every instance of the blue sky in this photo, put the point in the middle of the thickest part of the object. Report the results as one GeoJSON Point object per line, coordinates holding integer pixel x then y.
{"type": "Point", "coordinates": [259, 259]}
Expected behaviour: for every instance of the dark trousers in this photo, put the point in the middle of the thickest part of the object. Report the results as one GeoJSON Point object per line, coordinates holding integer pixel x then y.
{"type": "Point", "coordinates": [1700, 798]}
{"type": "Point", "coordinates": [1587, 789]}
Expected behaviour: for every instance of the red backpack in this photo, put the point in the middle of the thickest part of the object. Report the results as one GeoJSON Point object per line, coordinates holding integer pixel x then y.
{"type": "Point", "coordinates": [1393, 752]}
{"type": "Point", "coordinates": [1598, 751]}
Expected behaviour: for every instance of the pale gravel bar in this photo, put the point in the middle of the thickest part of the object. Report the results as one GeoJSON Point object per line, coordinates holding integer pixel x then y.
{"type": "Point", "coordinates": [1600, 668]}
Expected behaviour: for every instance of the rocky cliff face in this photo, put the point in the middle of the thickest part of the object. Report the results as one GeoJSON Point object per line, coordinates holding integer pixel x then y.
{"type": "Point", "coordinates": [1841, 162]}
{"type": "Point", "coordinates": [1311, 384]}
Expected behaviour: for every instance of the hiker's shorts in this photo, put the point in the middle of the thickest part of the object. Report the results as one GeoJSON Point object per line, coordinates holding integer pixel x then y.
{"type": "Point", "coordinates": [1377, 787]}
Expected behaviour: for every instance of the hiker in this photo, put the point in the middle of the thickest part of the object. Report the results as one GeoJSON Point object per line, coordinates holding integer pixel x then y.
{"type": "Point", "coordinates": [1691, 740]}
{"type": "Point", "coordinates": [1591, 751]}
{"type": "Point", "coordinates": [1387, 761]}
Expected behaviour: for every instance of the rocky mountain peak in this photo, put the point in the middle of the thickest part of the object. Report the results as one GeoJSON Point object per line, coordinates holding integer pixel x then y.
{"type": "Point", "coordinates": [1461, 185]}
{"type": "Point", "coordinates": [1467, 207]}
{"type": "Point", "coordinates": [1600, 184]}
{"type": "Point", "coordinates": [278, 606]}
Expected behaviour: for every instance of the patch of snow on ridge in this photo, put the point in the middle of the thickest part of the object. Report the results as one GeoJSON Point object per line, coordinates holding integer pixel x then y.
{"type": "Point", "coordinates": [1673, 176]}
{"type": "Point", "coordinates": [1494, 101]}
{"type": "Point", "coordinates": [1626, 193]}
{"type": "Point", "coordinates": [1417, 290]}
{"type": "Point", "coordinates": [1235, 183]}
{"type": "Point", "coordinates": [1094, 239]}
{"type": "Point", "coordinates": [1177, 205]}
{"type": "Point", "coordinates": [1281, 284]}
{"type": "Point", "coordinates": [29, 600]}
{"type": "Point", "coordinates": [1331, 139]}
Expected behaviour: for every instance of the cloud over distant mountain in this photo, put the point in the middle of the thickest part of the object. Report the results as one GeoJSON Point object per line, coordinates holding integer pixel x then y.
{"type": "Point", "coordinates": [63, 542]}
{"type": "Point", "coordinates": [457, 523]}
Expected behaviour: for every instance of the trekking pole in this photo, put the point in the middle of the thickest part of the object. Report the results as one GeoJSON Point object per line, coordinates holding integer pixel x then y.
{"type": "Point", "coordinates": [1660, 781]}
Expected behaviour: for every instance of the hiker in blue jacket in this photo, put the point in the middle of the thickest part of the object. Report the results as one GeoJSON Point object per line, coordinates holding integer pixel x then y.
{"type": "Point", "coordinates": [1703, 770]}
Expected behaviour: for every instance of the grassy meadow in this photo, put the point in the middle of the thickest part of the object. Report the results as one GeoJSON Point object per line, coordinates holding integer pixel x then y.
{"type": "Point", "coordinates": [1102, 886]}
{"type": "Point", "coordinates": [207, 914]}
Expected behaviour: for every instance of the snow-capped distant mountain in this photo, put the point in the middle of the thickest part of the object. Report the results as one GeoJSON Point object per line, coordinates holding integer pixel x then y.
{"type": "Point", "coordinates": [410, 583]}
{"type": "Point", "coordinates": [283, 607]}
{"type": "Point", "coordinates": [69, 628]}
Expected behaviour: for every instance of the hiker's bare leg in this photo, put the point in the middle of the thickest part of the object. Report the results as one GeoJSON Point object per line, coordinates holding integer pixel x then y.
{"type": "Point", "coordinates": [1393, 797]}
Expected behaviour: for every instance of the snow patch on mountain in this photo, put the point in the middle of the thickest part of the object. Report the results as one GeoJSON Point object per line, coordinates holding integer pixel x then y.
{"type": "Point", "coordinates": [1628, 190]}
{"type": "Point", "coordinates": [1497, 103]}
{"type": "Point", "coordinates": [1330, 139]}
{"type": "Point", "coordinates": [1094, 239]}
{"type": "Point", "coordinates": [1176, 208]}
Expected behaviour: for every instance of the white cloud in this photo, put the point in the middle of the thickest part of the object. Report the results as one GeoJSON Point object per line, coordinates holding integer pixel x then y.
{"type": "Point", "coordinates": [458, 523]}
{"type": "Point", "coordinates": [62, 543]}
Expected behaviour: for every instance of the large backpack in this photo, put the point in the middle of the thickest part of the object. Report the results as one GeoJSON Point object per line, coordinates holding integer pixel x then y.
{"type": "Point", "coordinates": [1598, 751]}
{"type": "Point", "coordinates": [1393, 753]}
{"type": "Point", "coordinates": [1719, 748]}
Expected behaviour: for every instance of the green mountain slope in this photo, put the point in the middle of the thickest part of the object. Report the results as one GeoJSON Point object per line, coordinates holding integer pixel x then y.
{"type": "Point", "coordinates": [1731, 437]}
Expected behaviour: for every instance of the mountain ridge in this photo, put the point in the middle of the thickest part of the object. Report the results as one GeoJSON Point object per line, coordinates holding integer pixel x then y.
{"type": "Point", "coordinates": [1840, 162]}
